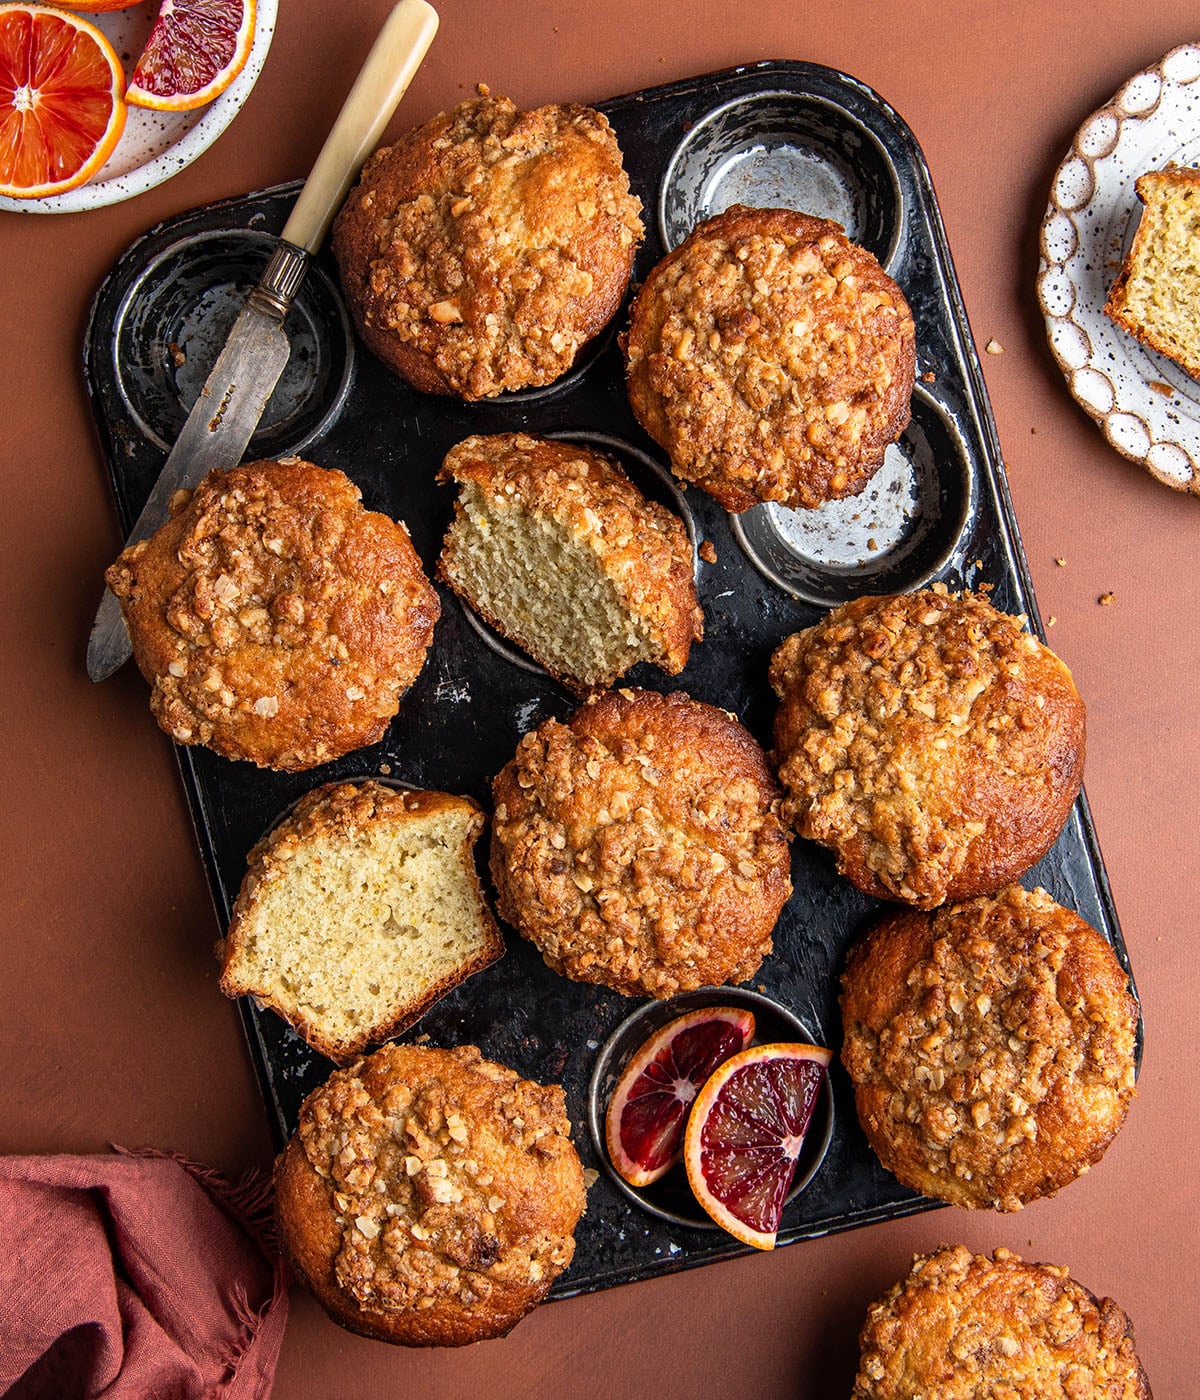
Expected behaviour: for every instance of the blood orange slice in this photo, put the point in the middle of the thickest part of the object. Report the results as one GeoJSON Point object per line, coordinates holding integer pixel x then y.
{"type": "Point", "coordinates": [745, 1133]}
{"type": "Point", "coordinates": [195, 50]}
{"type": "Point", "coordinates": [62, 106]}
{"type": "Point", "coordinates": [645, 1118]}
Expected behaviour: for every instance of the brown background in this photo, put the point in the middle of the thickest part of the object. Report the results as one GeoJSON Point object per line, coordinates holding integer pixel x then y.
{"type": "Point", "coordinates": [111, 1025]}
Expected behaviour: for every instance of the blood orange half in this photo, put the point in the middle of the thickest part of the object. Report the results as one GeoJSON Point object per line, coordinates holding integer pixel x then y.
{"type": "Point", "coordinates": [62, 106]}
{"type": "Point", "coordinates": [645, 1118]}
{"type": "Point", "coordinates": [195, 50]}
{"type": "Point", "coordinates": [745, 1133]}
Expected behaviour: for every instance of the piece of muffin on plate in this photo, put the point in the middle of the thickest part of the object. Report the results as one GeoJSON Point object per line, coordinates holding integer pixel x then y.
{"type": "Point", "coordinates": [429, 1197]}
{"type": "Point", "coordinates": [929, 741]}
{"type": "Point", "coordinates": [483, 250]}
{"type": "Point", "coordinates": [638, 845]}
{"type": "Point", "coordinates": [772, 359]}
{"type": "Point", "coordinates": [992, 1047]}
{"type": "Point", "coordinates": [1156, 296]}
{"type": "Point", "coordinates": [276, 619]}
{"type": "Point", "coordinates": [556, 548]}
{"type": "Point", "coordinates": [962, 1326]}
{"type": "Point", "coordinates": [359, 911]}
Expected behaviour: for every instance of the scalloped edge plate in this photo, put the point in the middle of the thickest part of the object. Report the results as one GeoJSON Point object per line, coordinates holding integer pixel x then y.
{"type": "Point", "coordinates": [155, 145]}
{"type": "Point", "coordinates": [1147, 407]}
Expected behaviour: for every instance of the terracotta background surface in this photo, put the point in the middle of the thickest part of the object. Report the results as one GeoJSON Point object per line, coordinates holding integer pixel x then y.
{"type": "Point", "coordinates": [111, 1025]}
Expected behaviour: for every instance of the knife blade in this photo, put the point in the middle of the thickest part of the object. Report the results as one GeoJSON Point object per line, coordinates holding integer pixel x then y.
{"type": "Point", "coordinates": [222, 421]}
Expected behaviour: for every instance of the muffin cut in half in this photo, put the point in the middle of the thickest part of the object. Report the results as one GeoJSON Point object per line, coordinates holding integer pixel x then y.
{"type": "Point", "coordinates": [1156, 296]}
{"type": "Point", "coordinates": [359, 911]}
{"type": "Point", "coordinates": [557, 549]}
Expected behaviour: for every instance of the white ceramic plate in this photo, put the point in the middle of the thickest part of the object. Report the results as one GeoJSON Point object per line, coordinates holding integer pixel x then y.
{"type": "Point", "coordinates": [1147, 407]}
{"type": "Point", "coordinates": [155, 145]}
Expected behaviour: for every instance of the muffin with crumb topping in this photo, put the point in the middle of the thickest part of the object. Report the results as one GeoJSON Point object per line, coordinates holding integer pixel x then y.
{"type": "Point", "coordinates": [484, 249]}
{"type": "Point", "coordinates": [962, 1326]}
{"type": "Point", "coordinates": [772, 358]}
{"type": "Point", "coordinates": [930, 741]}
{"type": "Point", "coordinates": [991, 1045]}
{"type": "Point", "coordinates": [276, 619]}
{"type": "Point", "coordinates": [429, 1197]}
{"type": "Point", "coordinates": [638, 845]}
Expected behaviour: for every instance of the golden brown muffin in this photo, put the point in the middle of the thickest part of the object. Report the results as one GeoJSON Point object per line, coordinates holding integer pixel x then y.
{"type": "Point", "coordinates": [275, 618]}
{"type": "Point", "coordinates": [358, 911]}
{"type": "Point", "coordinates": [1156, 296]}
{"type": "Point", "coordinates": [992, 1047]}
{"type": "Point", "coordinates": [966, 1327]}
{"type": "Point", "coordinates": [929, 741]}
{"type": "Point", "coordinates": [554, 546]}
{"type": "Point", "coordinates": [638, 845]}
{"type": "Point", "coordinates": [772, 358]}
{"type": "Point", "coordinates": [484, 249]}
{"type": "Point", "coordinates": [429, 1197]}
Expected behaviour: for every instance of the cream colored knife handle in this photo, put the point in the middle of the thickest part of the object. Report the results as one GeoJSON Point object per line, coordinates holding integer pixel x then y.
{"type": "Point", "coordinates": [389, 68]}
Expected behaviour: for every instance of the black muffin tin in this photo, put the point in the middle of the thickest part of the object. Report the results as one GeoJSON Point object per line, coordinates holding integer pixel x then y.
{"type": "Point", "coordinates": [779, 133]}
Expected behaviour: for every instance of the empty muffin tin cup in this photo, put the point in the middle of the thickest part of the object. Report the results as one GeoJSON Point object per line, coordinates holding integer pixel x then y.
{"type": "Point", "coordinates": [899, 533]}
{"type": "Point", "coordinates": [174, 320]}
{"type": "Point", "coordinates": [670, 1198]}
{"type": "Point", "coordinates": [784, 150]}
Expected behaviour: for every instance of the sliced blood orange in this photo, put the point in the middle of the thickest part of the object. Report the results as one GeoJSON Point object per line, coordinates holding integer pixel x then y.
{"type": "Point", "coordinates": [645, 1118]}
{"type": "Point", "coordinates": [195, 50]}
{"type": "Point", "coordinates": [745, 1133]}
{"type": "Point", "coordinates": [62, 106]}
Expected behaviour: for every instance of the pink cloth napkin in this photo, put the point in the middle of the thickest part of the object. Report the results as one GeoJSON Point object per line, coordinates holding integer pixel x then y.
{"type": "Point", "coordinates": [136, 1276]}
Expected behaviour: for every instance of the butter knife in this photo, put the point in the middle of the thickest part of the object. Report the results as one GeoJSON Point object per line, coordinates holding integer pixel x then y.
{"type": "Point", "coordinates": [229, 407]}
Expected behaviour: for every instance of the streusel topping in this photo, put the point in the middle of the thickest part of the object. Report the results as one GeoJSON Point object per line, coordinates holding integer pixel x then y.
{"type": "Point", "coordinates": [640, 845]}
{"type": "Point", "coordinates": [966, 1327]}
{"type": "Point", "coordinates": [772, 358]}
{"type": "Point", "coordinates": [433, 1179]}
{"type": "Point", "coordinates": [992, 1046]}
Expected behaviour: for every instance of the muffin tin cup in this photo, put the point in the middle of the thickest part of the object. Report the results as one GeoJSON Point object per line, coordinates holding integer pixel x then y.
{"type": "Point", "coordinates": [769, 131]}
{"type": "Point", "coordinates": [784, 150]}
{"type": "Point", "coordinates": [670, 1198]}
{"type": "Point", "coordinates": [174, 319]}
{"type": "Point", "coordinates": [899, 533]}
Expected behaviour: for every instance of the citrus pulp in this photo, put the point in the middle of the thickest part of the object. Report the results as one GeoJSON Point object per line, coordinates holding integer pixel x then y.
{"type": "Point", "coordinates": [745, 1133]}
{"type": "Point", "coordinates": [646, 1113]}
{"type": "Point", "coordinates": [194, 52]}
{"type": "Point", "coordinates": [62, 107]}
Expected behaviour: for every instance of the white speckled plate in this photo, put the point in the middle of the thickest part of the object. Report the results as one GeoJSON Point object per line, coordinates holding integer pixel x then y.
{"type": "Point", "coordinates": [155, 145]}
{"type": "Point", "coordinates": [1147, 407]}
